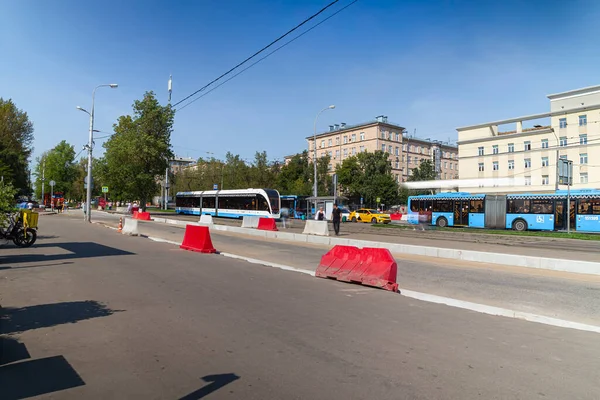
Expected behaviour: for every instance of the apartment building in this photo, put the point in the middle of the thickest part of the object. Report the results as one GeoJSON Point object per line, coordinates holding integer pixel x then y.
{"type": "Point", "coordinates": [527, 148]}
{"type": "Point", "coordinates": [341, 141]}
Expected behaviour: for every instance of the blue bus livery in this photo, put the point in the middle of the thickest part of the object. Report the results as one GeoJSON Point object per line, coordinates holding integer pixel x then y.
{"type": "Point", "coordinates": [296, 205]}
{"type": "Point", "coordinates": [230, 203]}
{"type": "Point", "coordinates": [520, 212]}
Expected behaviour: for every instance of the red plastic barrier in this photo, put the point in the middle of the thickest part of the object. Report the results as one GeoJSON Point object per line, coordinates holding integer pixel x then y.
{"type": "Point", "coordinates": [267, 224]}
{"type": "Point", "coordinates": [396, 217]}
{"type": "Point", "coordinates": [367, 266]}
{"type": "Point", "coordinates": [144, 216]}
{"type": "Point", "coordinates": [197, 238]}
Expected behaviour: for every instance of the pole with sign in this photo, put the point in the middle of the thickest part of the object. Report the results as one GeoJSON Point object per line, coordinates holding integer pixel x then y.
{"type": "Point", "coordinates": [105, 190]}
{"type": "Point", "coordinates": [52, 183]}
{"type": "Point", "coordinates": [565, 177]}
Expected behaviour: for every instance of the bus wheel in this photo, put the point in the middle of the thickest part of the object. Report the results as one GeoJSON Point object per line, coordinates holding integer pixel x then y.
{"type": "Point", "coordinates": [441, 222]}
{"type": "Point", "coordinates": [520, 225]}
{"type": "Point", "coordinates": [353, 219]}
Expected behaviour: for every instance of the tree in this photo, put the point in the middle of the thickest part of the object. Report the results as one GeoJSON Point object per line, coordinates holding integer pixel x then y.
{"type": "Point", "coordinates": [424, 172]}
{"type": "Point", "coordinates": [295, 177]}
{"type": "Point", "coordinates": [59, 167]}
{"type": "Point", "coordinates": [368, 175]}
{"type": "Point", "coordinates": [136, 155]}
{"type": "Point", "coordinates": [16, 145]}
{"type": "Point", "coordinates": [7, 201]}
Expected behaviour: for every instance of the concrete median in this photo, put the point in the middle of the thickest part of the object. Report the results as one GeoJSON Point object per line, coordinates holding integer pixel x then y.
{"type": "Point", "coordinates": [206, 219]}
{"type": "Point", "coordinates": [319, 228]}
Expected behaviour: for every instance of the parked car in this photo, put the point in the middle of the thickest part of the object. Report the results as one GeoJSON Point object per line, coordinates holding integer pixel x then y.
{"type": "Point", "coordinates": [368, 215]}
{"type": "Point", "coordinates": [345, 214]}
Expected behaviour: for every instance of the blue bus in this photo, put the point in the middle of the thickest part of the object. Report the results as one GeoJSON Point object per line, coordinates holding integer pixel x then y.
{"type": "Point", "coordinates": [296, 205]}
{"type": "Point", "coordinates": [230, 203]}
{"type": "Point", "coordinates": [521, 212]}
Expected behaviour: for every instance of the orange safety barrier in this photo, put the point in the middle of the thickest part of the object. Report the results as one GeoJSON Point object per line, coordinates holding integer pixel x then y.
{"type": "Point", "coordinates": [197, 238]}
{"type": "Point", "coordinates": [267, 224]}
{"type": "Point", "coordinates": [367, 266]}
{"type": "Point", "coordinates": [144, 216]}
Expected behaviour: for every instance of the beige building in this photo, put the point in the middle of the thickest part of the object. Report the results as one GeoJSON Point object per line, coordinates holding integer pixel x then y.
{"type": "Point", "coordinates": [342, 141]}
{"type": "Point", "coordinates": [527, 157]}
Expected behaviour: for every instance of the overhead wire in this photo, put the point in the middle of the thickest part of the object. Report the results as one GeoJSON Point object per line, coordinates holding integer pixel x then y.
{"type": "Point", "coordinates": [266, 56]}
{"type": "Point", "coordinates": [258, 52]}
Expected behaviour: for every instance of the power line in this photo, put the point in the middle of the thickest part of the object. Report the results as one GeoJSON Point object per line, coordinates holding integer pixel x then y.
{"type": "Point", "coordinates": [258, 52]}
{"type": "Point", "coordinates": [268, 55]}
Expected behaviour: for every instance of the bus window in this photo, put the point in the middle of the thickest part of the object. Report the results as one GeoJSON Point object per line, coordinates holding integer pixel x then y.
{"type": "Point", "coordinates": [442, 205]}
{"type": "Point", "coordinates": [518, 206]}
{"type": "Point", "coordinates": [542, 206]}
{"type": "Point", "coordinates": [589, 206]}
{"type": "Point", "coordinates": [476, 206]}
{"type": "Point", "coordinates": [414, 205]}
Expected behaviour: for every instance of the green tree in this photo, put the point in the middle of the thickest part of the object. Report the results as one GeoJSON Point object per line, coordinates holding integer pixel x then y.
{"type": "Point", "coordinates": [136, 154]}
{"type": "Point", "coordinates": [295, 177]}
{"type": "Point", "coordinates": [368, 175]}
{"type": "Point", "coordinates": [424, 172]}
{"type": "Point", "coordinates": [59, 167]}
{"type": "Point", "coordinates": [16, 145]}
{"type": "Point", "coordinates": [7, 201]}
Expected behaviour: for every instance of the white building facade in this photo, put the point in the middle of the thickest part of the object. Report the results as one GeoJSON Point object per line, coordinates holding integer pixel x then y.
{"type": "Point", "coordinates": [506, 157]}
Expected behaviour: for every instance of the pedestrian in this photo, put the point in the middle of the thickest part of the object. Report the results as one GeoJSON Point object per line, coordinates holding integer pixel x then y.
{"type": "Point", "coordinates": [30, 205]}
{"type": "Point", "coordinates": [320, 215]}
{"type": "Point", "coordinates": [129, 207]}
{"type": "Point", "coordinates": [336, 217]}
{"type": "Point", "coordinates": [285, 213]}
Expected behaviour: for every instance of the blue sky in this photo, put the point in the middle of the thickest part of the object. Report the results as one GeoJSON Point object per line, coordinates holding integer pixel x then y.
{"type": "Point", "coordinates": [429, 65]}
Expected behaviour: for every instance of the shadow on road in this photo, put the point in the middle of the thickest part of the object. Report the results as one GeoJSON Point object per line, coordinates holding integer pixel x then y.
{"type": "Point", "coordinates": [13, 320]}
{"type": "Point", "coordinates": [75, 249]}
{"type": "Point", "coordinates": [36, 377]}
{"type": "Point", "coordinates": [216, 383]}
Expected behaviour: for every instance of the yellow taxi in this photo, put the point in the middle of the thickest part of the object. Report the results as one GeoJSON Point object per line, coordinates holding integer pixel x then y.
{"type": "Point", "coordinates": [368, 215]}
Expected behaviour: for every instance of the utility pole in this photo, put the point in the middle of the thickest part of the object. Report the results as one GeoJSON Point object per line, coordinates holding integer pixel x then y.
{"type": "Point", "coordinates": [170, 89]}
{"type": "Point", "coordinates": [43, 179]}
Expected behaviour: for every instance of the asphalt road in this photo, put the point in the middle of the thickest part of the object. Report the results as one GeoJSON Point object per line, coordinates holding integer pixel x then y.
{"type": "Point", "coordinates": [572, 297]}
{"type": "Point", "coordinates": [92, 314]}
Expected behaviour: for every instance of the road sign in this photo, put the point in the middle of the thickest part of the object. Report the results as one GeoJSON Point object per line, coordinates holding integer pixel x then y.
{"type": "Point", "coordinates": [52, 183]}
{"type": "Point", "coordinates": [378, 199]}
{"type": "Point", "coordinates": [104, 189]}
{"type": "Point", "coordinates": [215, 186]}
{"type": "Point", "coordinates": [565, 172]}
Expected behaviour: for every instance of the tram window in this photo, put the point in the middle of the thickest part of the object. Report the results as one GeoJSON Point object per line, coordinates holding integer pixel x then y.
{"type": "Point", "coordinates": [589, 206]}
{"type": "Point", "coordinates": [263, 205]}
{"type": "Point", "coordinates": [518, 206]}
{"type": "Point", "coordinates": [208, 202]}
{"type": "Point", "coordinates": [234, 202]}
{"type": "Point", "coordinates": [542, 206]}
{"type": "Point", "coordinates": [186, 201]}
{"type": "Point", "coordinates": [476, 206]}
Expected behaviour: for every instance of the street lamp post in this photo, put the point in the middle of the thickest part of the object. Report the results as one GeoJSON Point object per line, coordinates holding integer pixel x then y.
{"type": "Point", "coordinates": [331, 107]}
{"type": "Point", "coordinates": [557, 157]}
{"type": "Point", "coordinates": [88, 201]}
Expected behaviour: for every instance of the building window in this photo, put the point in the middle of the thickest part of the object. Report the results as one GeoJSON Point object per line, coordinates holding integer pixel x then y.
{"type": "Point", "coordinates": [345, 139]}
{"type": "Point", "coordinates": [495, 149]}
{"type": "Point", "coordinates": [420, 150]}
{"type": "Point", "coordinates": [409, 160]}
{"type": "Point", "coordinates": [345, 153]}
{"type": "Point", "coordinates": [582, 120]}
{"type": "Point", "coordinates": [527, 146]}
{"type": "Point", "coordinates": [404, 147]}
{"type": "Point", "coordinates": [511, 147]}
{"type": "Point", "coordinates": [528, 163]}
{"type": "Point", "coordinates": [354, 151]}
{"type": "Point", "coordinates": [451, 166]}
{"type": "Point", "coordinates": [383, 134]}
{"type": "Point", "coordinates": [330, 154]}
{"type": "Point", "coordinates": [545, 180]}
{"type": "Point", "coordinates": [329, 167]}
{"type": "Point", "coordinates": [329, 143]}
{"type": "Point", "coordinates": [397, 164]}
{"type": "Point", "coordinates": [562, 123]}
{"type": "Point", "coordinates": [337, 141]}
{"type": "Point", "coordinates": [397, 151]}
{"type": "Point", "coordinates": [322, 143]}
{"type": "Point", "coordinates": [511, 164]}
{"type": "Point", "coordinates": [445, 164]}
{"type": "Point", "coordinates": [383, 148]}
{"type": "Point", "coordinates": [362, 136]}
{"type": "Point", "coordinates": [337, 153]}
{"type": "Point", "coordinates": [583, 177]}
{"type": "Point", "coordinates": [397, 137]}
{"type": "Point", "coordinates": [495, 166]}
{"type": "Point", "coordinates": [544, 143]}
{"type": "Point", "coordinates": [583, 159]}
{"type": "Point", "coordinates": [390, 149]}
{"type": "Point", "coordinates": [545, 161]}
{"type": "Point", "coordinates": [563, 157]}
{"type": "Point", "coordinates": [527, 181]}
{"type": "Point", "coordinates": [354, 137]}
{"type": "Point", "coordinates": [562, 141]}
{"type": "Point", "coordinates": [583, 139]}
{"type": "Point", "coordinates": [480, 150]}
{"type": "Point", "coordinates": [361, 149]}
{"type": "Point", "coordinates": [481, 169]}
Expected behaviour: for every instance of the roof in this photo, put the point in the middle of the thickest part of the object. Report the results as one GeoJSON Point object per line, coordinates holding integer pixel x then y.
{"type": "Point", "coordinates": [356, 126]}
{"type": "Point", "coordinates": [574, 92]}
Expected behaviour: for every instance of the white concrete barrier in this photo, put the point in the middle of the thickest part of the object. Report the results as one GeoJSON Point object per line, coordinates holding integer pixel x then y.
{"type": "Point", "coordinates": [130, 227]}
{"type": "Point", "coordinates": [206, 219]}
{"type": "Point", "coordinates": [121, 209]}
{"type": "Point", "coordinates": [250, 222]}
{"type": "Point", "coordinates": [319, 228]}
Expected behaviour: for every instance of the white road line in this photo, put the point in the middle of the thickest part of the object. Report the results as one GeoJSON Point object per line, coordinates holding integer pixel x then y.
{"type": "Point", "coordinates": [431, 298]}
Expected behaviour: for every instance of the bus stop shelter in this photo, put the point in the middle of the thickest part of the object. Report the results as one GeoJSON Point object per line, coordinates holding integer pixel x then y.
{"type": "Point", "coordinates": [323, 201]}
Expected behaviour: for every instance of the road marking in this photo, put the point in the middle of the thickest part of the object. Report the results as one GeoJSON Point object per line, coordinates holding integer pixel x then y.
{"type": "Point", "coordinates": [431, 298]}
